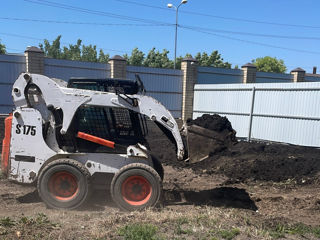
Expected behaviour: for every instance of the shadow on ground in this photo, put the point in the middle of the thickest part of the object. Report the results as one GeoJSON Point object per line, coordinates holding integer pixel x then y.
{"type": "Point", "coordinates": [218, 197]}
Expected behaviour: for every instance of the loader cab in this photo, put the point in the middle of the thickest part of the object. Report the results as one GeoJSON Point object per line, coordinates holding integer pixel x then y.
{"type": "Point", "coordinates": [120, 125]}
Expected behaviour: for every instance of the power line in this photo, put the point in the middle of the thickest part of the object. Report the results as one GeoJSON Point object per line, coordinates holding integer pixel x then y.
{"type": "Point", "coordinates": [94, 12]}
{"type": "Point", "coordinates": [80, 23]}
{"type": "Point", "coordinates": [252, 42]}
{"type": "Point", "coordinates": [146, 25]}
{"type": "Point", "coordinates": [222, 17]}
{"type": "Point", "coordinates": [252, 34]}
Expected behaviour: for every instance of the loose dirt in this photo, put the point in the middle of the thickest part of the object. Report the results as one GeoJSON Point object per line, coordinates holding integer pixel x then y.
{"type": "Point", "coordinates": [241, 191]}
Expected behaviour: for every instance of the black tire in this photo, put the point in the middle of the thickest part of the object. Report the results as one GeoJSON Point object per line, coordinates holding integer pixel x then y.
{"type": "Point", "coordinates": [136, 186]}
{"type": "Point", "coordinates": [158, 167]}
{"type": "Point", "coordinates": [64, 184]}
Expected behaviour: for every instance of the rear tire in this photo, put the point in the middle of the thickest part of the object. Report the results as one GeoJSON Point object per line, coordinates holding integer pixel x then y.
{"type": "Point", "coordinates": [64, 184]}
{"type": "Point", "coordinates": [136, 186]}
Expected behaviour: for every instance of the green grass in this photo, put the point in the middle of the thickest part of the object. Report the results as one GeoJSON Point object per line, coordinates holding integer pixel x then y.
{"type": "Point", "coordinates": [7, 222]}
{"type": "Point", "coordinates": [2, 175]}
{"type": "Point", "coordinates": [229, 234]}
{"type": "Point", "coordinates": [300, 229]}
{"type": "Point", "coordinates": [139, 231]}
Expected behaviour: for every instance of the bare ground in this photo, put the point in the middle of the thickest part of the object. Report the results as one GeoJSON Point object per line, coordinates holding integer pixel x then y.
{"type": "Point", "coordinates": [194, 207]}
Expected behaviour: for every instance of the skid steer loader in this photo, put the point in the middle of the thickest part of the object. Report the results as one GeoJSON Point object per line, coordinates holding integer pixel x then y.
{"type": "Point", "coordinates": [68, 138]}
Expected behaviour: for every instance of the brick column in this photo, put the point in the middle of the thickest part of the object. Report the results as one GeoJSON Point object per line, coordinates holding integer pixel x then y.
{"type": "Point", "coordinates": [298, 74]}
{"type": "Point", "coordinates": [190, 71]}
{"type": "Point", "coordinates": [249, 73]}
{"type": "Point", "coordinates": [118, 67]}
{"type": "Point", "coordinates": [34, 60]}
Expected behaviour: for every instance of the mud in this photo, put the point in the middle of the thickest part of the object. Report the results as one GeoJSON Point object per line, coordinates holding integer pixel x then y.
{"type": "Point", "coordinates": [242, 161]}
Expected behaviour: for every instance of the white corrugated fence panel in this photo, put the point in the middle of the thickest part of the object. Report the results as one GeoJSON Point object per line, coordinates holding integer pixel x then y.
{"type": "Point", "coordinates": [283, 112]}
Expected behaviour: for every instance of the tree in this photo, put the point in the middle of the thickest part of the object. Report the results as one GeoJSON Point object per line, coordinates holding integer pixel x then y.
{"type": "Point", "coordinates": [52, 50]}
{"type": "Point", "coordinates": [214, 60]}
{"type": "Point", "coordinates": [103, 58]}
{"type": "Point", "coordinates": [136, 58]}
{"type": "Point", "coordinates": [73, 52]}
{"type": "Point", "coordinates": [270, 64]}
{"type": "Point", "coordinates": [158, 60]}
{"type": "Point", "coordinates": [89, 53]}
{"type": "Point", "coordinates": [2, 48]}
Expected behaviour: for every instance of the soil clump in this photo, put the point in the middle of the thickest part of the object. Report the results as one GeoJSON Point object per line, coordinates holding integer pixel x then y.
{"type": "Point", "coordinates": [242, 161]}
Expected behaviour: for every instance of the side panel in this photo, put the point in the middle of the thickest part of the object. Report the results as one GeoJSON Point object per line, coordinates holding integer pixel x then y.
{"type": "Point", "coordinates": [6, 145]}
{"type": "Point", "coordinates": [28, 149]}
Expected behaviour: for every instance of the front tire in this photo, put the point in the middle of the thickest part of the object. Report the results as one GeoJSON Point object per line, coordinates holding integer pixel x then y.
{"type": "Point", "coordinates": [136, 186]}
{"type": "Point", "coordinates": [64, 184]}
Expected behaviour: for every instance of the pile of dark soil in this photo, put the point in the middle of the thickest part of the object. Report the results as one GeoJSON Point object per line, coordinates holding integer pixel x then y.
{"type": "Point", "coordinates": [242, 161]}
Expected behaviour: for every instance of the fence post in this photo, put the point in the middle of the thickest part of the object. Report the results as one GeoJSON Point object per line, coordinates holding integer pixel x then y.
{"type": "Point", "coordinates": [251, 113]}
{"type": "Point", "coordinates": [118, 67]}
{"type": "Point", "coordinates": [298, 74]}
{"type": "Point", "coordinates": [189, 70]}
{"type": "Point", "coordinates": [249, 73]}
{"type": "Point", "coordinates": [34, 60]}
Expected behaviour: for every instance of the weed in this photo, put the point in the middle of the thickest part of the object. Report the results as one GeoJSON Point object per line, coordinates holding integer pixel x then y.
{"type": "Point", "coordinates": [229, 234]}
{"type": "Point", "coordinates": [316, 232]}
{"type": "Point", "coordinates": [138, 232]}
{"type": "Point", "coordinates": [179, 226]}
{"type": "Point", "coordinates": [2, 175]}
{"type": "Point", "coordinates": [7, 222]}
{"type": "Point", "coordinates": [300, 229]}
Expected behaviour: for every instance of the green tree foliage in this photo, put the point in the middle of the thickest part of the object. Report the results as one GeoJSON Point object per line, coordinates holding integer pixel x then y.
{"type": "Point", "coordinates": [158, 60]}
{"type": "Point", "coordinates": [136, 58]}
{"type": "Point", "coordinates": [214, 60]}
{"type": "Point", "coordinates": [103, 58]}
{"type": "Point", "coordinates": [154, 58]}
{"type": "Point", "coordinates": [89, 53]}
{"type": "Point", "coordinates": [2, 48]}
{"type": "Point", "coordinates": [270, 64]}
{"type": "Point", "coordinates": [73, 52]}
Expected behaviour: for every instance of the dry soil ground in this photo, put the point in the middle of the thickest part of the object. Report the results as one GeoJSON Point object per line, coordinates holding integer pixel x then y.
{"type": "Point", "coordinates": [242, 191]}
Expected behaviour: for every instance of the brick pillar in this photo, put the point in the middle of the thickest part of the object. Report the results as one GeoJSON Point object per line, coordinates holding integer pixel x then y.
{"type": "Point", "coordinates": [190, 71]}
{"type": "Point", "coordinates": [118, 67]}
{"type": "Point", "coordinates": [249, 73]}
{"type": "Point", "coordinates": [34, 60]}
{"type": "Point", "coordinates": [298, 74]}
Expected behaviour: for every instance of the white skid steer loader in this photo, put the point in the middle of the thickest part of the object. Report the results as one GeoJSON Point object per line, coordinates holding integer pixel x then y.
{"type": "Point", "coordinates": [69, 138]}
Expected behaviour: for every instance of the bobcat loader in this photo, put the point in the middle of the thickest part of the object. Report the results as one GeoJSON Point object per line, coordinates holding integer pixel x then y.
{"type": "Point", "coordinates": [70, 138]}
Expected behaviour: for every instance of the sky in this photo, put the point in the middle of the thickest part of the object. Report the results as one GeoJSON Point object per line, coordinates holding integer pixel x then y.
{"type": "Point", "coordinates": [239, 30]}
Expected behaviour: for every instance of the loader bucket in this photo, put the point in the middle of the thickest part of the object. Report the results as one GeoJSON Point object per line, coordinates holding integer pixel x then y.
{"type": "Point", "coordinates": [200, 142]}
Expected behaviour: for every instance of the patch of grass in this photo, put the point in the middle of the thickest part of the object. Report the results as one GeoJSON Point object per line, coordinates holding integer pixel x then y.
{"type": "Point", "coordinates": [180, 229]}
{"type": "Point", "coordinates": [2, 175]}
{"type": "Point", "coordinates": [229, 234]}
{"type": "Point", "coordinates": [300, 229]}
{"type": "Point", "coordinates": [138, 231]}
{"type": "Point", "coordinates": [7, 222]}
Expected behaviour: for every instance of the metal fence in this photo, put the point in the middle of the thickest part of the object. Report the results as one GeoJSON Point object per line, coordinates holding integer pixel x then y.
{"type": "Point", "coordinates": [165, 85]}
{"type": "Point", "coordinates": [65, 69]}
{"type": "Point", "coordinates": [282, 112]}
{"type": "Point", "coordinates": [10, 68]}
{"type": "Point", "coordinates": [211, 75]}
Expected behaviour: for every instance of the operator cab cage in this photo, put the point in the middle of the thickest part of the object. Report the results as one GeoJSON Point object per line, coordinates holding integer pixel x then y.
{"type": "Point", "coordinates": [120, 125]}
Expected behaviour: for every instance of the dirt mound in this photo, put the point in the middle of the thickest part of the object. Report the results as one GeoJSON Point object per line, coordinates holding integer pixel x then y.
{"type": "Point", "coordinates": [267, 162]}
{"type": "Point", "coordinates": [243, 161]}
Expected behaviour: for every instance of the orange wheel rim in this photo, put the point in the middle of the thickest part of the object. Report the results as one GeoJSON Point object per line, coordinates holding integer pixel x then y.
{"type": "Point", "coordinates": [63, 186]}
{"type": "Point", "coordinates": [136, 190]}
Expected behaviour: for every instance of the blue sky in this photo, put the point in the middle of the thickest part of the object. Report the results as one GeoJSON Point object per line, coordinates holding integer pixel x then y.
{"type": "Point", "coordinates": [291, 27]}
